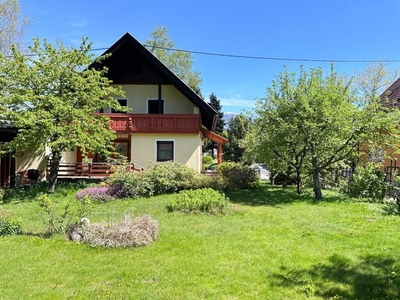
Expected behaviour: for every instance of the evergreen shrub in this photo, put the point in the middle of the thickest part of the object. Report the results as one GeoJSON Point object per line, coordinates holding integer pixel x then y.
{"type": "Point", "coordinates": [238, 176]}
{"type": "Point", "coordinates": [204, 200]}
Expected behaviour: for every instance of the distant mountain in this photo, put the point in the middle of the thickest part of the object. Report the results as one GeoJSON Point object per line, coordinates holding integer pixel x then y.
{"type": "Point", "coordinates": [228, 116]}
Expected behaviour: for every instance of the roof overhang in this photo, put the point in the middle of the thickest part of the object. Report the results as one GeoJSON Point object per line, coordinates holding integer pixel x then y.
{"type": "Point", "coordinates": [208, 114]}
{"type": "Point", "coordinates": [212, 136]}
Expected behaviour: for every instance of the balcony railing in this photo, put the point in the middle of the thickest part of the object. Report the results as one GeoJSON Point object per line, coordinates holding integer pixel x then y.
{"type": "Point", "coordinates": [154, 123]}
{"type": "Point", "coordinates": [87, 170]}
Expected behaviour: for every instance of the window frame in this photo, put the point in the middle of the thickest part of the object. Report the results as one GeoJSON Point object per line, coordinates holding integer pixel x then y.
{"type": "Point", "coordinates": [164, 141]}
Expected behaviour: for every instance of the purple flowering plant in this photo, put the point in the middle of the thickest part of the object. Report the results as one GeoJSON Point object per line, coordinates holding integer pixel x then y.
{"type": "Point", "coordinates": [98, 193]}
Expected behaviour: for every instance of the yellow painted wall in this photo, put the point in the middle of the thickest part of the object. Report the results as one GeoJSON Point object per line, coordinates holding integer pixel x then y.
{"type": "Point", "coordinates": [187, 149]}
{"type": "Point", "coordinates": [174, 101]}
{"type": "Point", "coordinates": [69, 157]}
{"type": "Point", "coordinates": [31, 160]}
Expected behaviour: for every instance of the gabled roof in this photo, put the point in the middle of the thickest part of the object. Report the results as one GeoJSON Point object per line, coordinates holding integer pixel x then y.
{"type": "Point", "coordinates": [131, 62]}
{"type": "Point", "coordinates": [391, 96]}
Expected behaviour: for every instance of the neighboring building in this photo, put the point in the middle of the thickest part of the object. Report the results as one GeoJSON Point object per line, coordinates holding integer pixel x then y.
{"type": "Point", "coordinates": [390, 97]}
{"type": "Point", "coordinates": [167, 120]}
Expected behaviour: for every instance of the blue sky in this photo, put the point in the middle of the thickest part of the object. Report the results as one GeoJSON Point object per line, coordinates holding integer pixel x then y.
{"type": "Point", "coordinates": [311, 29]}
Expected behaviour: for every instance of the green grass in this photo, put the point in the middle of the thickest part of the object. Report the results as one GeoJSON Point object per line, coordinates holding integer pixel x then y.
{"type": "Point", "coordinates": [279, 245]}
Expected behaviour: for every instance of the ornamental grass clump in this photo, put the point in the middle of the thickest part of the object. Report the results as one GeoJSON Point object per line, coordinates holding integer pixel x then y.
{"type": "Point", "coordinates": [204, 200]}
{"type": "Point", "coordinates": [98, 193]}
{"type": "Point", "coordinates": [141, 231]}
{"type": "Point", "coordinates": [9, 224]}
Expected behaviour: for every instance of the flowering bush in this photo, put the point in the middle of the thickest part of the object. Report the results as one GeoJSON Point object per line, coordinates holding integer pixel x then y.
{"type": "Point", "coordinates": [99, 193]}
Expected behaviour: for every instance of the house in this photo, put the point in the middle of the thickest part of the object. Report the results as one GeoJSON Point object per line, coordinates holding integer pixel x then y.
{"type": "Point", "coordinates": [390, 97]}
{"type": "Point", "coordinates": [167, 120]}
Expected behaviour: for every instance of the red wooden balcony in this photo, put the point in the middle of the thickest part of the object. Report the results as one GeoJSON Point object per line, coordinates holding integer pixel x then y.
{"type": "Point", "coordinates": [154, 123]}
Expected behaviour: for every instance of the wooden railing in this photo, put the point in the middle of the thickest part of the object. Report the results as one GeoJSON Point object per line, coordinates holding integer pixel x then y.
{"type": "Point", "coordinates": [86, 170]}
{"type": "Point", "coordinates": [154, 123]}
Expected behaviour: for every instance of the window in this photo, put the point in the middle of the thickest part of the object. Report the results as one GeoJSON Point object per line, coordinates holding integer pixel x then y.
{"type": "Point", "coordinates": [165, 150]}
{"type": "Point", "coordinates": [152, 106]}
{"type": "Point", "coordinates": [122, 102]}
{"type": "Point", "coordinates": [376, 155]}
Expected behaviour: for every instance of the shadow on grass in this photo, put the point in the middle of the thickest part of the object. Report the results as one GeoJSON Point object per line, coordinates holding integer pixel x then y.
{"type": "Point", "coordinates": [373, 277]}
{"type": "Point", "coordinates": [269, 195]}
{"type": "Point", "coordinates": [28, 194]}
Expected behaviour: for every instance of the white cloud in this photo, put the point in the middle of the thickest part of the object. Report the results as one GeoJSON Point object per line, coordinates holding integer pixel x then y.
{"type": "Point", "coordinates": [75, 23]}
{"type": "Point", "coordinates": [237, 102]}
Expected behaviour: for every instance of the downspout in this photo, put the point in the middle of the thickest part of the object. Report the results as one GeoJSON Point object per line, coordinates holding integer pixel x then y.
{"type": "Point", "coordinates": [159, 106]}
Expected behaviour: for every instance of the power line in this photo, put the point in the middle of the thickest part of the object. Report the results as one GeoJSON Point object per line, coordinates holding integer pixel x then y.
{"type": "Point", "coordinates": [276, 58]}
{"type": "Point", "coordinates": [259, 57]}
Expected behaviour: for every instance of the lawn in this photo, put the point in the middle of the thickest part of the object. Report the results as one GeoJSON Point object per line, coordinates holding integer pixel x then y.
{"type": "Point", "coordinates": [275, 245]}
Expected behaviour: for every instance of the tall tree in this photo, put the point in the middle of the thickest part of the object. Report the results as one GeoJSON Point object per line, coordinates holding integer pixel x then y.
{"type": "Point", "coordinates": [312, 122]}
{"type": "Point", "coordinates": [216, 104]}
{"type": "Point", "coordinates": [179, 62]}
{"type": "Point", "coordinates": [237, 129]}
{"type": "Point", "coordinates": [12, 25]}
{"type": "Point", "coordinates": [374, 79]}
{"type": "Point", "coordinates": [51, 97]}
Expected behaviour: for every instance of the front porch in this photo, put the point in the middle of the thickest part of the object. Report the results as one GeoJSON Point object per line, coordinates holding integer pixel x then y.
{"type": "Point", "coordinates": [87, 170]}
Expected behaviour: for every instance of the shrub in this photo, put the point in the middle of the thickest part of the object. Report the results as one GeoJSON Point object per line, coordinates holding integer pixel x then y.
{"type": "Point", "coordinates": [126, 184]}
{"type": "Point", "coordinates": [238, 176]}
{"type": "Point", "coordinates": [9, 224]}
{"type": "Point", "coordinates": [368, 182]}
{"type": "Point", "coordinates": [200, 200]}
{"type": "Point", "coordinates": [99, 193]}
{"type": "Point", "coordinates": [141, 231]}
{"type": "Point", "coordinates": [170, 177]}
{"type": "Point", "coordinates": [207, 160]}
{"type": "Point", "coordinates": [57, 222]}
{"type": "Point", "coordinates": [214, 181]}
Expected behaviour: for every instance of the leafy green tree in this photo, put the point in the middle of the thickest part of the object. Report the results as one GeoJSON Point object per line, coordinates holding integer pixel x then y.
{"type": "Point", "coordinates": [51, 97]}
{"type": "Point", "coordinates": [12, 25]}
{"type": "Point", "coordinates": [179, 62]}
{"type": "Point", "coordinates": [312, 122]}
{"type": "Point", "coordinates": [237, 129]}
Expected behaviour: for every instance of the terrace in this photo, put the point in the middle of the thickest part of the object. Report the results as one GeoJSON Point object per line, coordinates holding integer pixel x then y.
{"type": "Point", "coordinates": [154, 123]}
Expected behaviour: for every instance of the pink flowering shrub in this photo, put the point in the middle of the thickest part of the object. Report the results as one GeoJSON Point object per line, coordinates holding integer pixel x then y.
{"type": "Point", "coordinates": [98, 193]}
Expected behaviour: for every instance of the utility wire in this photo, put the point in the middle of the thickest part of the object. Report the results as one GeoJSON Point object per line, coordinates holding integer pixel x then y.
{"type": "Point", "coordinates": [276, 58]}
{"type": "Point", "coordinates": [261, 57]}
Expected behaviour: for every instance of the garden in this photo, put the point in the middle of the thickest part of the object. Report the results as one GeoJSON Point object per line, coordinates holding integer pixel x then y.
{"type": "Point", "coordinates": [216, 241]}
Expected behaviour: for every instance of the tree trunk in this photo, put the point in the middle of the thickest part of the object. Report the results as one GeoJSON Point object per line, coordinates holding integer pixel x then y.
{"type": "Point", "coordinates": [317, 185]}
{"type": "Point", "coordinates": [316, 182]}
{"type": "Point", "coordinates": [299, 182]}
{"type": "Point", "coordinates": [54, 167]}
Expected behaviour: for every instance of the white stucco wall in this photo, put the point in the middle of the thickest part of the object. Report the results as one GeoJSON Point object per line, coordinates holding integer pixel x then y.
{"type": "Point", "coordinates": [187, 149]}
{"type": "Point", "coordinates": [174, 101]}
